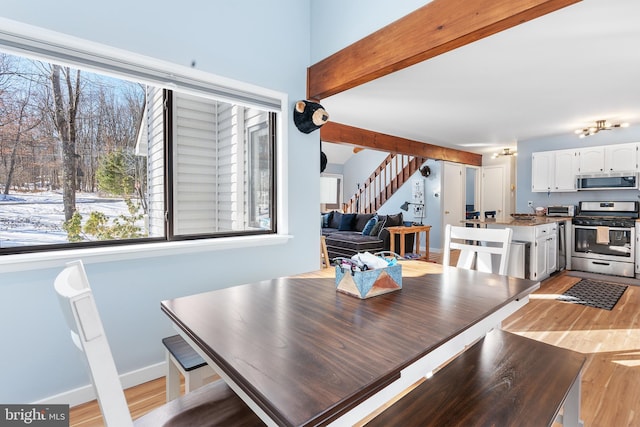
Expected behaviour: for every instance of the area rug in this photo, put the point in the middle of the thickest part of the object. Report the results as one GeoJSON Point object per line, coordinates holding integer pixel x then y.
{"type": "Point", "coordinates": [594, 294]}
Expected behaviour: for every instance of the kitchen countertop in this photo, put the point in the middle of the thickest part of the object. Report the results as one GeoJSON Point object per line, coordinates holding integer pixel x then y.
{"type": "Point", "coordinates": [538, 220]}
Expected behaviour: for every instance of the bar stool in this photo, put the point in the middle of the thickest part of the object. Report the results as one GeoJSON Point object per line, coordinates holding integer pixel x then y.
{"type": "Point", "coordinates": [489, 214]}
{"type": "Point", "coordinates": [472, 215]}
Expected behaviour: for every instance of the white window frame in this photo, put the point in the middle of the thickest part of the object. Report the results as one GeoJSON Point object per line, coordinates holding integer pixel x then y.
{"type": "Point", "coordinates": [41, 44]}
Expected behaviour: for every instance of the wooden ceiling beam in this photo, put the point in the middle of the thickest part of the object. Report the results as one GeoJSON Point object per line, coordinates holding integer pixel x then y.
{"type": "Point", "coordinates": [344, 134]}
{"type": "Point", "coordinates": [438, 27]}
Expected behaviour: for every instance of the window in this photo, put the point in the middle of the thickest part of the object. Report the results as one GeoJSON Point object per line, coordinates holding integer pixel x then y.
{"type": "Point", "coordinates": [96, 150]}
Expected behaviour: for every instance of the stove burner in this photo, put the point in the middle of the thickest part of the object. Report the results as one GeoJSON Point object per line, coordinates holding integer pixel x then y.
{"type": "Point", "coordinates": [605, 222]}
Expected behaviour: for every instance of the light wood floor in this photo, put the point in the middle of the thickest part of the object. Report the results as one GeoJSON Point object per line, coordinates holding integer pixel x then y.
{"type": "Point", "coordinates": [609, 339]}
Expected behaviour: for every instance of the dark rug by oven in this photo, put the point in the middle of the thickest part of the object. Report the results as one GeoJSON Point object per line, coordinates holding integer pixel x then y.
{"type": "Point", "coordinates": [594, 294]}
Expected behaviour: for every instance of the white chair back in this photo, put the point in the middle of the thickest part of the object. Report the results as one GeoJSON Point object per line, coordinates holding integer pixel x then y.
{"type": "Point", "coordinates": [477, 245]}
{"type": "Point", "coordinates": [81, 313]}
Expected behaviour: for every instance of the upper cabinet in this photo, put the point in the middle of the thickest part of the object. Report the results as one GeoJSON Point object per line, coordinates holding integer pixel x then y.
{"type": "Point", "coordinates": [611, 158]}
{"type": "Point", "coordinates": [553, 171]}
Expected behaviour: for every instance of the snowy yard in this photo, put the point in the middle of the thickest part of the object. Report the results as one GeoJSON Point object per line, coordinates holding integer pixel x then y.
{"type": "Point", "coordinates": [36, 218]}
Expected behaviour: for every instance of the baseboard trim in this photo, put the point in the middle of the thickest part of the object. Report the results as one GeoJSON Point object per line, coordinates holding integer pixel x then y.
{"type": "Point", "coordinates": [86, 393]}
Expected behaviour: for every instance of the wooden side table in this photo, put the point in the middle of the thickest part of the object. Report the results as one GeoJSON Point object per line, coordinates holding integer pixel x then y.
{"type": "Point", "coordinates": [414, 229]}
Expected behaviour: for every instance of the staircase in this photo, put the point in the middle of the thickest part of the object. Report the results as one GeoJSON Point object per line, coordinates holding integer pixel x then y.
{"type": "Point", "coordinates": [394, 171]}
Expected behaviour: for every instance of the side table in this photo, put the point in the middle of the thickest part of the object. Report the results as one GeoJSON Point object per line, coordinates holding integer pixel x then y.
{"type": "Point", "coordinates": [414, 229]}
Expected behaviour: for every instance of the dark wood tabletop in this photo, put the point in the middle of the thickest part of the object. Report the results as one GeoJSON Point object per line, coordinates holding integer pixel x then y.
{"type": "Point", "coordinates": [306, 354]}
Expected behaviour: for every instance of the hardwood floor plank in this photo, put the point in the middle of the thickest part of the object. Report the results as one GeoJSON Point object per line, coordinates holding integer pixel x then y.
{"type": "Point", "coordinates": [609, 339]}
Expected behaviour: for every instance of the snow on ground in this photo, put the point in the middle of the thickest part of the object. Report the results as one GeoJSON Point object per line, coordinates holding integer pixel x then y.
{"type": "Point", "coordinates": [36, 218]}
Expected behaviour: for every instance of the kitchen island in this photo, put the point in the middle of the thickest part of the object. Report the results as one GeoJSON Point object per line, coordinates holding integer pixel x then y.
{"type": "Point", "coordinates": [547, 239]}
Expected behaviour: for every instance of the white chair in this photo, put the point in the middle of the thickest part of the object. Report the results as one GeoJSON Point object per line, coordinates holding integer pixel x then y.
{"type": "Point", "coordinates": [210, 405]}
{"type": "Point", "coordinates": [479, 248]}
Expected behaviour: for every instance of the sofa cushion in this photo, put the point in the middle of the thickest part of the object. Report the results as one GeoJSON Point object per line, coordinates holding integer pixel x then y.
{"type": "Point", "coordinates": [361, 220]}
{"type": "Point", "coordinates": [347, 244]}
{"type": "Point", "coordinates": [326, 219]}
{"type": "Point", "coordinates": [336, 218]}
{"type": "Point", "coordinates": [346, 224]}
{"type": "Point", "coordinates": [369, 226]}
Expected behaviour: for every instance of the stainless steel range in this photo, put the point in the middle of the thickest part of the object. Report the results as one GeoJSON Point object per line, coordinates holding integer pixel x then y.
{"type": "Point", "coordinates": [603, 238]}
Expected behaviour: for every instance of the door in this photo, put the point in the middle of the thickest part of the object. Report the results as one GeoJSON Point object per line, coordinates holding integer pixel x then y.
{"type": "Point", "coordinates": [552, 253]}
{"type": "Point", "coordinates": [566, 169]}
{"type": "Point", "coordinates": [621, 158]}
{"type": "Point", "coordinates": [453, 194]}
{"type": "Point", "coordinates": [494, 190]}
{"type": "Point", "coordinates": [542, 170]}
{"type": "Point", "coordinates": [540, 259]}
{"type": "Point", "coordinates": [592, 160]}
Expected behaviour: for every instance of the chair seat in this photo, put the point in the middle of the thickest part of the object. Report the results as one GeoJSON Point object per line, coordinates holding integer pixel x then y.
{"type": "Point", "coordinates": [214, 404]}
{"type": "Point", "coordinates": [183, 353]}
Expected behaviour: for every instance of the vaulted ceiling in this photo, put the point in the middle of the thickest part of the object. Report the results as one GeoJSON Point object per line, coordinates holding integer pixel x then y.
{"type": "Point", "coordinates": [547, 76]}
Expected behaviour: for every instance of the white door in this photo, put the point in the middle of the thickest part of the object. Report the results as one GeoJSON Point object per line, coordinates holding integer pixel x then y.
{"type": "Point", "coordinates": [566, 169]}
{"type": "Point", "coordinates": [453, 194]}
{"type": "Point", "coordinates": [621, 158]}
{"type": "Point", "coordinates": [494, 190]}
{"type": "Point", "coordinates": [591, 160]}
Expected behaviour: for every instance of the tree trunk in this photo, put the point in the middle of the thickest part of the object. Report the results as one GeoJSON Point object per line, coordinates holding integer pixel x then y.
{"type": "Point", "coordinates": [64, 119]}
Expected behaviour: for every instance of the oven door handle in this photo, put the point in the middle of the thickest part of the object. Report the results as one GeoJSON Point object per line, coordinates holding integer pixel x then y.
{"type": "Point", "coordinates": [589, 227]}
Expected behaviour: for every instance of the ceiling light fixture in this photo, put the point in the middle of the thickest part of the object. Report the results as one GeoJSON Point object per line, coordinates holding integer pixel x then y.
{"type": "Point", "coordinates": [505, 152]}
{"type": "Point", "coordinates": [600, 125]}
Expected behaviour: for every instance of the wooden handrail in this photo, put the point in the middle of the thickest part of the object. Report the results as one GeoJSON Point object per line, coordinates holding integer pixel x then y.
{"type": "Point", "coordinates": [385, 180]}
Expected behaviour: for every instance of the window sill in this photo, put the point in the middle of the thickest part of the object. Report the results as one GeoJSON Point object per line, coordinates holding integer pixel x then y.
{"type": "Point", "coordinates": [52, 259]}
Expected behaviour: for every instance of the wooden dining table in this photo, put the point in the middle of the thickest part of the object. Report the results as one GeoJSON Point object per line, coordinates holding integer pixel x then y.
{"type": "Point", "coordinates": [300, 353]}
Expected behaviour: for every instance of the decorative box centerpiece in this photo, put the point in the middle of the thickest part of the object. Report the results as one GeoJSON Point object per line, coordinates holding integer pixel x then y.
{"type": "Point", "coordinates": [381, 277]}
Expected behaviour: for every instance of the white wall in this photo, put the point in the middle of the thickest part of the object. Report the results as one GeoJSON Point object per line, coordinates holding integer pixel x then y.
{"type": "Point", "coordinates": [263, 43]}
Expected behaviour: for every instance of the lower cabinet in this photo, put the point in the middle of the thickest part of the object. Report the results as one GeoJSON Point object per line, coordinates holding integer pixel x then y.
{"type": "Point", "coordinates": [543, 254]}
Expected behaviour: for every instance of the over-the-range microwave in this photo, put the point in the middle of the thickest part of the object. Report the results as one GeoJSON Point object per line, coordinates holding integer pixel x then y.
{"type": "Point", "coordinates": [568, 210]}
{"type": "Point", "coordinates": [611, 181]}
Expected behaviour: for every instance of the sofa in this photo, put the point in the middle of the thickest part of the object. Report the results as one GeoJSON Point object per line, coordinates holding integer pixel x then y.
{"type": "Point", "coordinates": [348, 234]}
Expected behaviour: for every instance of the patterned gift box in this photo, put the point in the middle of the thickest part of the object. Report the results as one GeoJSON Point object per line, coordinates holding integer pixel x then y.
{"type": "Point", "coordinates": [369, 283]}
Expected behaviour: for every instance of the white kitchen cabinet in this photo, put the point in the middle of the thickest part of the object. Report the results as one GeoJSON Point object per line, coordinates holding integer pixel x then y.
{"type": "Point", "coordinates": [545, 252]}
{"type": "Point", "coordinates": [566, 169]}
{"type": "Point", "coordinates": [591, 160]}
{"type": "Point", "coordinates": [621, 158]}
{"type": "Point", "coordinates": [553, 171]}
{"type": "Point", "coordinates": [552, 253]}
{"type": "Point", "coordinates": [542, 169]}
{"type": "Point", "coordinates": [543, 256]}
{"type": "Point", "coordinates": [637, 251]}
{"type": "Point", "coordinates": [611, 158]}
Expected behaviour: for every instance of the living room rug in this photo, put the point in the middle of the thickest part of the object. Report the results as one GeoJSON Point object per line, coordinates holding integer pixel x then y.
{"type": "Point", "coordinates": [594, 294]}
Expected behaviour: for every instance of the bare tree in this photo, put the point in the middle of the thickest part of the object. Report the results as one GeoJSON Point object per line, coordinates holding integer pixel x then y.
{"type": "Point", "coordinates": [65, 110]}
{"type": "Point", "coordinates": [25, 121]}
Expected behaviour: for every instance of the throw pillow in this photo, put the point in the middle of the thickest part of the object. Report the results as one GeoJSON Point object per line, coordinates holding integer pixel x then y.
{"type": "Point", "coordinates": [346, 224]}
{"type": "Point", "coordinates": [336, 218]}
{"type": "Point", "coordinates": [326, 219]}
{"type": "Point", "coordinates": [378, 227]}
{"type": "Point", "coordinates": [394, 220]}
{"type": "Point", "coordinates": [369, 226]}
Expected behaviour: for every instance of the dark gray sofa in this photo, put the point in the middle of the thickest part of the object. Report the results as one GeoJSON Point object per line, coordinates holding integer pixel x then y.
{"type": "Point", "coordinates": [347, 241]}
